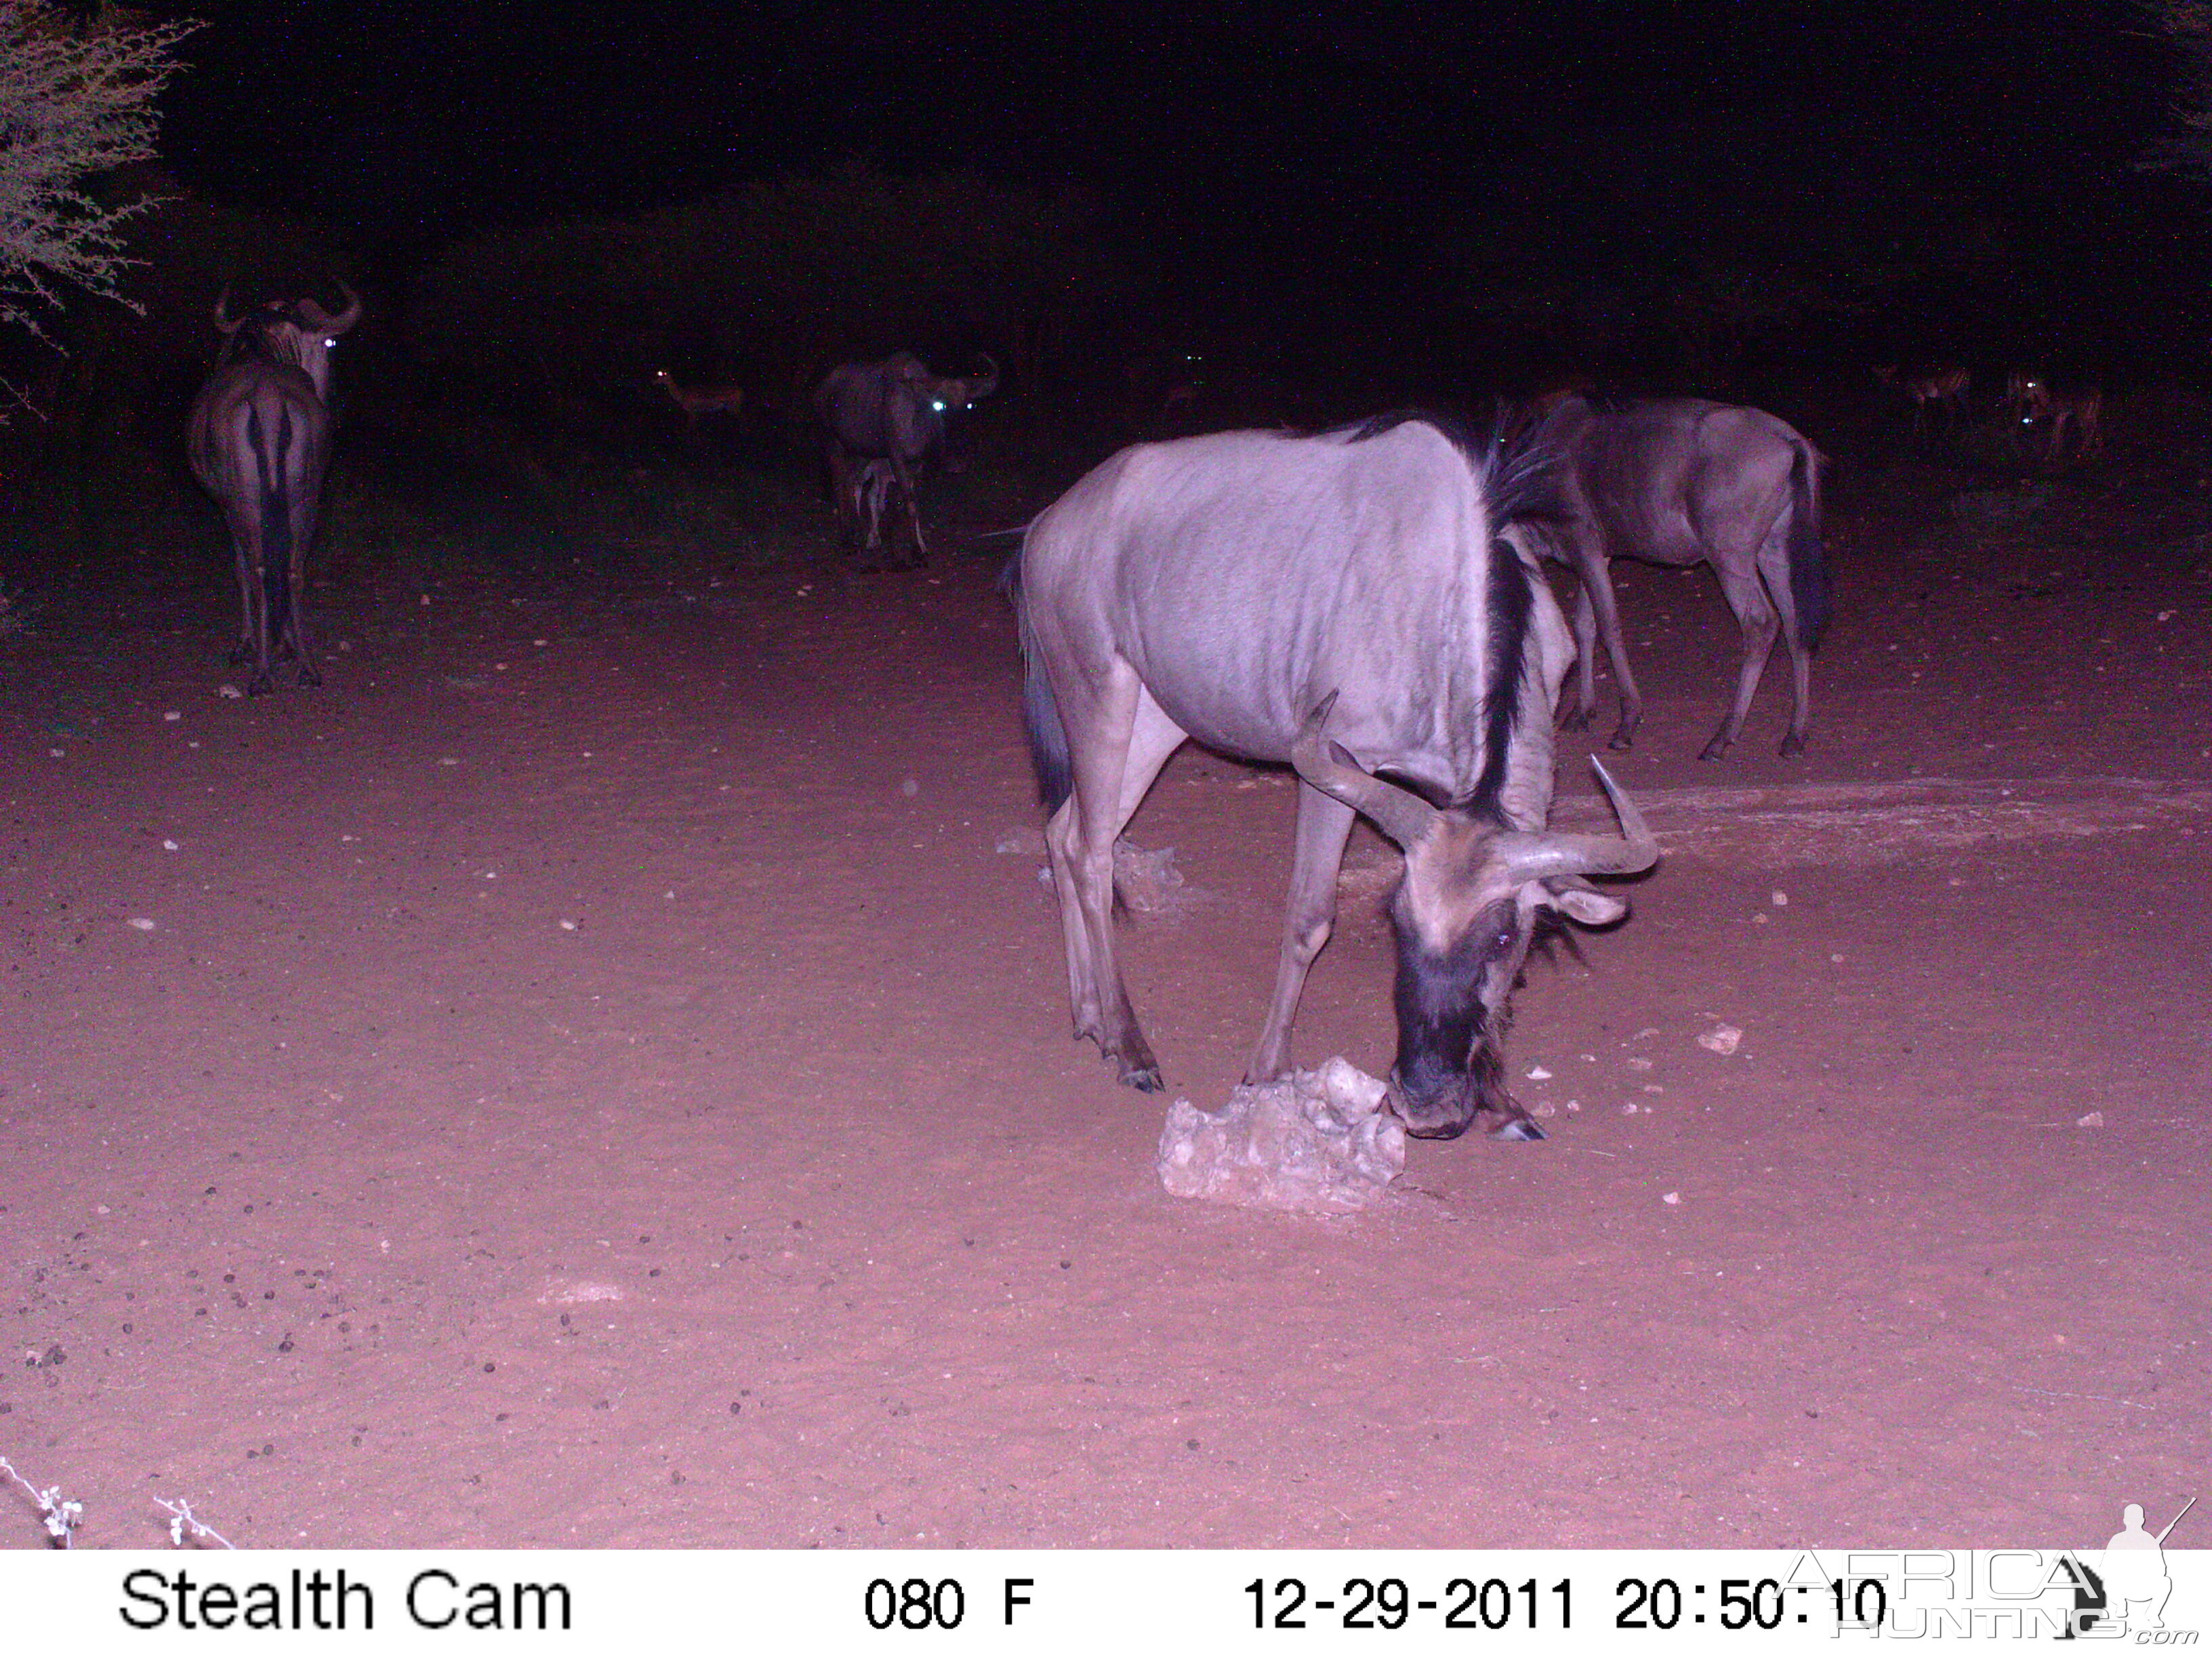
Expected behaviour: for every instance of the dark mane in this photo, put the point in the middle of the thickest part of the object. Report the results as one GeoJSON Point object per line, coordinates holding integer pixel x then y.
{"type": "Point", "coordinates": [1520, 476]}
{"type": "Point", "coordinates": [1512, 600]}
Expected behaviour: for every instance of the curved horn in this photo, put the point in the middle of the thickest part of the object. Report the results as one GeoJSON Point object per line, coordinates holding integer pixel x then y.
{"type": "Point", "coordinates": [1398, 813]}
{"type": "Point", "coordinates": [989, 383]}
{"type": "Point", "coordinates": [1533, 857]}
{"type": "Point", "coordinates": [319, 319]}
{"type": "Point", "coordinates": [223, 319]}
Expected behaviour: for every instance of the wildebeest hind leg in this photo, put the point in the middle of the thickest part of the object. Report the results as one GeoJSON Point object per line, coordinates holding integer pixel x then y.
{"type": "Point", "coordinates": [248, 590]}
{"type": "Point", "coordinates": [1746, 596]}
{"type": "Point", "coordinates": [1118, 740]}
{"type": "Point", "coordinates": [1774, 567]}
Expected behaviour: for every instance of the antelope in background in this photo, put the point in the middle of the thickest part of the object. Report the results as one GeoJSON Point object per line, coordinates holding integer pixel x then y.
{"type": "Point", "coordinates": [259, 440]}
{"type": "Point", "coordinates": [696, 401]}
{"type": "Point", "coordinates": [2031, 397]}
{"type": "Point", "coordinates": [1946, 387]}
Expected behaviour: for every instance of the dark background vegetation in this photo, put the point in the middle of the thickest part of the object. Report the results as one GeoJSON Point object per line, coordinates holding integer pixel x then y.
{"type": "Point", "coordinates": [1340, 209]}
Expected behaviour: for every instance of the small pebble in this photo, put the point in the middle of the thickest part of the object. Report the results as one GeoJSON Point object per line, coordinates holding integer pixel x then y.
{"type": "Point", "coordinates": [1537, 1074]}
{"type": "Point", "coordinates": [1721, 1039]}
{"type": "Point", "coordinates": [143, 924]}
{"type": "Point", "coordinates": [172, 715]}
{"type": "Point", "coordinates": [1670, 1198]}
{"type": "Point", "coordinates": [1780, 898]}
{"type": "Point", "coordinates": [169, 846]}
{"type": "Point", "coordinates": [567, 926]}
{"type": "Point", "coordinates": [2090, 1121]}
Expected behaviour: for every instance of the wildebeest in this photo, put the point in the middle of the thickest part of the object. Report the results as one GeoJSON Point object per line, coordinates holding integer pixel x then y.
{"type": "Point", "coordinates": [1347, 603]}
{"type": "Point", "coordinates": [1682, 482]}
{"type": "Point", "coordinates": [259, 439]}
{"type": "Point", "coordinates": [2078, 408]}
{"type": "Point", "coordinates": [893, 411]}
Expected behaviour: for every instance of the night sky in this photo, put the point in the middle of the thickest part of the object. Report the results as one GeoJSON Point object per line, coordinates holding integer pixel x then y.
{"type": "Point", "coordinates": [1307, 150]}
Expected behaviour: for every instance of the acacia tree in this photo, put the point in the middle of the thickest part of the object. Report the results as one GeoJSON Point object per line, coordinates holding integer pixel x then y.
{"type": "Point", "coordinates": [2188, 25]}
{"type": "Point", "coordinates": [75, 101]}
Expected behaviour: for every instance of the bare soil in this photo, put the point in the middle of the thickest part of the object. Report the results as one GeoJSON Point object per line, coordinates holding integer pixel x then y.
{"type": "Point", "coordinates": [593, 1078]}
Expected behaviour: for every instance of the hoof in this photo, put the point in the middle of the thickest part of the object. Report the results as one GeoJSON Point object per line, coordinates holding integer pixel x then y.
{"type": "Point", "coordinates": [1518, 1128]}
{"type": "Point", "coordinates": [310, 675]}
{"type": "Point", "coordinates": [1717, 750]}
{"type": "Point", "coordinates": [1793, 744]}
{"type": "Point", "coordinates": [1144, 1078]}
{"type": "Point", "coordinates": [1574, 720]}
{"type": "Point", "coordinates": [1621, 740]}
{"type": "Point", "coordinates": [1435, 1130]}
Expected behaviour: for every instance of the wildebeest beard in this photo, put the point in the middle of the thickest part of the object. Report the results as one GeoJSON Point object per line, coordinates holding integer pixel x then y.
{"type": "Point", "coordinates": [1450, 1069]}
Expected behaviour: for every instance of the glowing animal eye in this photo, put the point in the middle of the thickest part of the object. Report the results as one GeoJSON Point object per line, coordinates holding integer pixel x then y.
{"type": "Point", "coordinates": [937, 403]}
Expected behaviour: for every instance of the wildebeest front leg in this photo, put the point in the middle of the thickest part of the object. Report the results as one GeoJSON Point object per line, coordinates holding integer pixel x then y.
{"type": "Point", "coordinates": [1746, 596]}
{"type": "Point", "coordinates": [1585, 661]}
{"type": "Point", "coordinates": [1323, 825]}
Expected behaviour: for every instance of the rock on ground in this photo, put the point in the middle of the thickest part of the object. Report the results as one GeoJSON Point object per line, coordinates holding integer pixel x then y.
{"type": "Point", "coordinates": [1317, 1141]}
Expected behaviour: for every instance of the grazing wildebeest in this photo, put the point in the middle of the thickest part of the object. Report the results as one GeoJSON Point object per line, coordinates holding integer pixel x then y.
{"type": "Point", "coordinates": [892, 412]}
{"type": "Point", "coordinates": [1680, 481]}
{"type": "Point", "coordinates": [1244, 589]}
{"type": "Point", "coordinates": [259, 439]}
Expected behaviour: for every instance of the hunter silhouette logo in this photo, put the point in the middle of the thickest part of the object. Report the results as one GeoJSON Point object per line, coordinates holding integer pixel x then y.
{"type": "Point", "coordinates": [2134, 1571]}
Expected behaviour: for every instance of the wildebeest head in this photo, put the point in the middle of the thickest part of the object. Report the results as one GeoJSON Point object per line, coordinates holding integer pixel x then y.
{"type": "Point", "coordinates": [948, 394]}
{"type": "Point", "coordinates": [299, 332]}
{"type": "Point", "coordinates": [1464, 915]}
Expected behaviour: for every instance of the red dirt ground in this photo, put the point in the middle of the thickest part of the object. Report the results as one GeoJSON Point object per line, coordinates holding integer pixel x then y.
{"type": "Point", "coordinates": [363, 1201]}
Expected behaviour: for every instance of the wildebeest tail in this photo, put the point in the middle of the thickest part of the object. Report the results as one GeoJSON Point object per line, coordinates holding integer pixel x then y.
{"type": "Point", "coordinates": [1055, 774]}
{"type": "Point", "coordinates": [275, 519]}
{"type": "Point", "coordinates": [1808, 563]}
